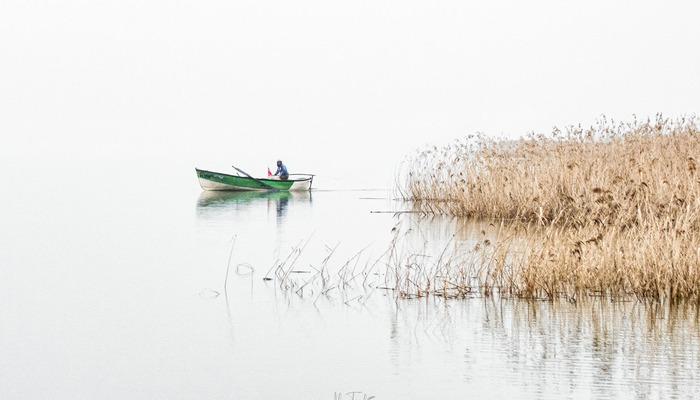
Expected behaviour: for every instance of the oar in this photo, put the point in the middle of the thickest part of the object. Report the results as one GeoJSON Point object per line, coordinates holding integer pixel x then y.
{"type": "Point", "coordinates": [255, 179]}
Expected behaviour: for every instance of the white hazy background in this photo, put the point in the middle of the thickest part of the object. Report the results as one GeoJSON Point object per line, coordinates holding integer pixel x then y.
{"type": "Point", "coordinates": [342, 89]}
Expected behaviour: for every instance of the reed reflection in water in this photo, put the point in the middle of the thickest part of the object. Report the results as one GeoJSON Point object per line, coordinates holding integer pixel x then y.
{"type": "Point", "coordinates": [540, 349]}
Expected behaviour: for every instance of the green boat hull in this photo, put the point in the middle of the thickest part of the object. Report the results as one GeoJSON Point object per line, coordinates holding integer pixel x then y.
{"type": "Point", "coordinates": [209, 180]}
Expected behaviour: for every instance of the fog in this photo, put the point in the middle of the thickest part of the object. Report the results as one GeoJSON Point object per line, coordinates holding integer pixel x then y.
{"type": "Point", "coordinates": [343, 89]}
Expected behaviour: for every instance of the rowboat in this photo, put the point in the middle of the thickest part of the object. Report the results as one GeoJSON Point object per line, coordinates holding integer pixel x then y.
{"type": "Point", "coordinates": [209, 180]}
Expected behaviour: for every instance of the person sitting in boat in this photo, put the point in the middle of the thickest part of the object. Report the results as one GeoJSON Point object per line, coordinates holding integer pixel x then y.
{"type": "Point", "coordinates": [282, 171]}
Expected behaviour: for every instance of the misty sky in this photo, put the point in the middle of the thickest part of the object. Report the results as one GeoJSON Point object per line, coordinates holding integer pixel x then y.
{"type": "Point", "coordinates": [334, 87]}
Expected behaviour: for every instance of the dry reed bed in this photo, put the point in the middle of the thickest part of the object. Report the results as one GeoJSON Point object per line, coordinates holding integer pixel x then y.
{"type": "Point", "coordinates": [611, 210]}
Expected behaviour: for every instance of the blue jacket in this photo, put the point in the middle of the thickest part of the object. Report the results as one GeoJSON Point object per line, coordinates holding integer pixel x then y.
{"type": "Point", "coordinates": [281, 170]}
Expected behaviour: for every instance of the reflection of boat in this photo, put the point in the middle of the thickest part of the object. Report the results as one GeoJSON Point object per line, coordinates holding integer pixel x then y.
{"type": "Point", "coordinates": [217, 203]}
{"type": "Point", "coordinates": [218, 181]}
{"type": "Point", "coordinates": [224, 198]}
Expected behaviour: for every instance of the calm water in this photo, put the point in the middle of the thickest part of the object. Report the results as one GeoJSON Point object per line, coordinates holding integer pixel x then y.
{"type": "Point", "coordinates": [112, 287]}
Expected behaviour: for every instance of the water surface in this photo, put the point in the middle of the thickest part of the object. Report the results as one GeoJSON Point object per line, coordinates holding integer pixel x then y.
{"type": "Point", "coordinates": [112, 286]}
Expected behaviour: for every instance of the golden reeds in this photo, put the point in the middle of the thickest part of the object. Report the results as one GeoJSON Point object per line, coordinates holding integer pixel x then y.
{"type": "Point", "coordinates": [611, 210]}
